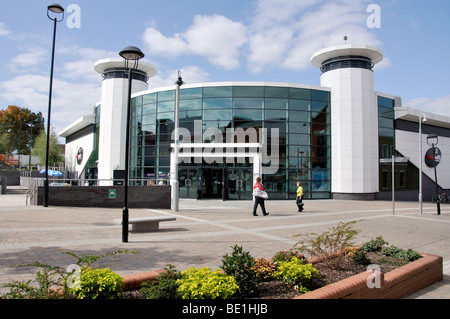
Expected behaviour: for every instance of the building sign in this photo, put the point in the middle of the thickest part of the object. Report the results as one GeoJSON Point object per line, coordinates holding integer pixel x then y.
{"type": "Point", "coordinates": [429, 157]}
{"type": "Point", "coordinates": [112, 193]}
{"type": "Point", "coordinates": [79, 156]}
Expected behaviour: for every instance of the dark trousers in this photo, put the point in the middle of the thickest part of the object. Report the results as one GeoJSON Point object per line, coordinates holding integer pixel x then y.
{"type": "Point", "coordinates": [299, 203]}
{"type": "Point", "coordinates": [259, 201]}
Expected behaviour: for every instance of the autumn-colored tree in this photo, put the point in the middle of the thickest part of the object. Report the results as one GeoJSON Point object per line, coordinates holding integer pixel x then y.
{"type": "Point", "coordinates": [19, 128]}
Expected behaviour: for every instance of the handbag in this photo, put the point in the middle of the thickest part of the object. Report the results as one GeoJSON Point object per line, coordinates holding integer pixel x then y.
{"type": "Point", "coordinates": [264, 195]}
{"type": "Point", "coordinates": [260, 193]}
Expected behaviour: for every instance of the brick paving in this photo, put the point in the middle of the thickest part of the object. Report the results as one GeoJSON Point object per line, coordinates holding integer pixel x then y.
{"type": "Point", "coordinates": [204, 231]}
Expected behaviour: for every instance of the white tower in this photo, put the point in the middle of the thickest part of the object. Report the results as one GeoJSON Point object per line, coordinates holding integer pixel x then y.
{"type": "Point", "coordinates": [113, 109]}
{"type": "Point", "coordinates": [347, 70]}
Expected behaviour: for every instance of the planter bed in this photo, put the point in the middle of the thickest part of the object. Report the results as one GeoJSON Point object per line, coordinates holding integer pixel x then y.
{"type": "Point", "coordinates": [394, 283]}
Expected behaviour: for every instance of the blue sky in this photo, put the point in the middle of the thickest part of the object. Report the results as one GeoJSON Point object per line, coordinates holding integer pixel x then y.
{"type": "Point", "coordinates": [218, 40]}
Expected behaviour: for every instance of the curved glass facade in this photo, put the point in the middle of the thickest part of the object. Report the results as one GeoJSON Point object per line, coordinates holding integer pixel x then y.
{"type": "Point", "coordinates": [301, 115]}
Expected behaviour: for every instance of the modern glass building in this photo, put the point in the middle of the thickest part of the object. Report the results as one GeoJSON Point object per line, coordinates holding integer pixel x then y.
{"type": "Point", "coordinates": [299, 114]}
{"type": "Point", "coordinates": [336, 138]}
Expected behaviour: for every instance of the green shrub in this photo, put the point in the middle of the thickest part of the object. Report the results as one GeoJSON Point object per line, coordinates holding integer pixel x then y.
{"type": "Point", "coordinates": [359, 257]}
{"type": "Point", "coordinates": [204, 284]}
{"type": "Point", "coordinates": [98, 284]}
{"type": "Point", "coordinates": [48, 279]}
{"type": "Point", "coordinates": [164, 287]}
{"type": "Point", "coordinates": [374, 245]}
{"type": "Point", "coordinates": [294, 272]}
{"type": "Point", "coordinates": [53, 282]}
{"type": "Point", "coordinates": [329, 244]}
{"type": "Point", "coordinates": [240, 265]}
{"type": "Point", "coordinates": [286, 255]}
{"type": "Point", "coordinates": [407, 255]}
{"type": "Point", "coordinates": [264, 269]}
{"type": "Point", "coordinates": [392, 251]}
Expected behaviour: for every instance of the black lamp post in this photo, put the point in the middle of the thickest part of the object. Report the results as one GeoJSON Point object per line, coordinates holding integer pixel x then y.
{"type": "Point", "coordinates": [57, 9]}
{"type": "Point", "coordinates": [129, 54]}
{"type": "Point", "coordinates": [433, 139]}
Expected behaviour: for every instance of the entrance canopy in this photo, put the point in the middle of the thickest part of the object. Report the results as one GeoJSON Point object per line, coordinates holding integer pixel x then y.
{"type": "Point", "coordinates": [216, 150]}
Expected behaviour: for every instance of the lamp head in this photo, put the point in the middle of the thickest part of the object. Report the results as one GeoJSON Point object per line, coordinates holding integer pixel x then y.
{"type": "Point", "coordinates": [131, 53]}
{"type": "Point", "coordinates": [55, 8]}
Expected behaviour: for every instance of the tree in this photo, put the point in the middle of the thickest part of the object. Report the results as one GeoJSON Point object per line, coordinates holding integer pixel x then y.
{"type": "Point", "coordinates": [19, 128]}
{"type": "Point", "coordinates": [40, 148]}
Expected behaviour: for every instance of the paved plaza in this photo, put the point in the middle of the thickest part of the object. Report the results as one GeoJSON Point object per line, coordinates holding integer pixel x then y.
{"type": "Point", "coordinates": [205, 230]}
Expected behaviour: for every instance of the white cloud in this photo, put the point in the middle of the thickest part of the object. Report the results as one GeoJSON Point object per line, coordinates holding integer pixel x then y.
{"type": "Point", "coordinates": [157, 43]}
{"type": "Point", "coordinates": [440, 105]}
{"type": "Point", "coordinates": [190, 74]}
{"type": "Point", "coordinates": [215, 37]}
{"type": "Point", "coordinates": [301, 29]}
{"type": "Point", "coordinates": [34, 56]}
{"type": "Point", "coordinates": [69, 100]}
{"type": "Point", "coordinates": [281, 34]}
{"type": "Point", "coordinates": [4, 30]}
{"type": "Point", "coordinates": [80, 62]}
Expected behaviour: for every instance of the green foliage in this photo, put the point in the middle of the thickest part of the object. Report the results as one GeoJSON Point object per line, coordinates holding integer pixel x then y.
{"type": "Point", "coordinates": [240, 265]}
{"type": "Point", "coordinates": [98, 284]}
{"type": "Point", "coordinates": [19, 127]}
{"type": "Point", "coordinates": [294, 272]}
{"type": "Point", "coordinates": [286, 255]}
{"type": "Point", "coordinates": [40, 148]}
{"type": "Point", "coordinates": [164, 287]}
{"type": "Point", "coordinates": [205, 284]}
{"type": "Point", "coordinates": [264, 269]}
{"type": "Point", "coordinates": [374, 245]}
{"type": "Point", "coordinates": [407, 255]}
{"type": "Point", "coordinates": [359, 257]}
{"type": "Point", "coordinates": [48, 279]}
{"type": "Point", "coordinates": [329, 244]}
{"type": "Point", "coordinates": [54, 282]}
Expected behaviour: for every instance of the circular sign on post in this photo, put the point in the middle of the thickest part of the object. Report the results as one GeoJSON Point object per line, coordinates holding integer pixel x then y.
{"type": "Point", "coordinates": [79, 156]}
{"type": "Point", "coordinates": [429, 157]}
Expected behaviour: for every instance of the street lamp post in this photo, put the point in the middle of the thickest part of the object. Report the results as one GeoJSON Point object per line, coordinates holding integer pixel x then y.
{"type": "Point", "coordinates": [420, 162]}
{"type": "Point", "coordinates": [433, 139]}
{"type": "Point", "coordinates": [174, 178]}
{"type": "Point", "coordinates": [129, 54]}
{"type": "Point", "coordinates": [57, 9]}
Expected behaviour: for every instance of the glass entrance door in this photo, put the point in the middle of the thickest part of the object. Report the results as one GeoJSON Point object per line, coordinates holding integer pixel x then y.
{"type": "Point", "coordinates": [239, 183]}
{"type": "Point", "coordinates": [189, 182]}
{"type": "Point", "coordinates": [212, 183]}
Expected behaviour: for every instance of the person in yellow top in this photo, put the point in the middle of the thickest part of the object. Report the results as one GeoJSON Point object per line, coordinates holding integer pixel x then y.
{"type": "Point", "coordinates": [299, 197]}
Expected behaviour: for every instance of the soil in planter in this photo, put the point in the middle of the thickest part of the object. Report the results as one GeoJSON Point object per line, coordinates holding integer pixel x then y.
{"type": "Point", "coordinates": [276, 289]}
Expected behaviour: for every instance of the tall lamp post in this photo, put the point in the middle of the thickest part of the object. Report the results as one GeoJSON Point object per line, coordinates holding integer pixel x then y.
{"type": "Point", "coordinates": [175, 182]}
{"type": "Point", "coordinates": [433, 139]}
{"type": "Point", "coordinates": [129, 54]}
{"type": "Point", "coordinates": [420, 162]}
{"type": "Point", "coordinates": [58, 10]}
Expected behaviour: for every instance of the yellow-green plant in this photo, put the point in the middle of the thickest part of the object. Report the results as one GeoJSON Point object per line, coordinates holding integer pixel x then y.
{"type": "Point", "coordinates": [98, 284]}
{"type": "Point", "coordinates": [294, 272]}
{"type": "Point", "coordinates": [203, 283]}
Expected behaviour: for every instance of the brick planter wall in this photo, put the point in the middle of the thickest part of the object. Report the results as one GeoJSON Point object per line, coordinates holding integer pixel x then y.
{"type": "Point", "coordinates": [395, 284]}
{"type": "Point", "coordinates": [157, 196]}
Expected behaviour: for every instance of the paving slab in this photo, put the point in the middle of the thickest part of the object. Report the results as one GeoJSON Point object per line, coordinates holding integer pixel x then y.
{"type": "Point", "coordinates": [205, 230]}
